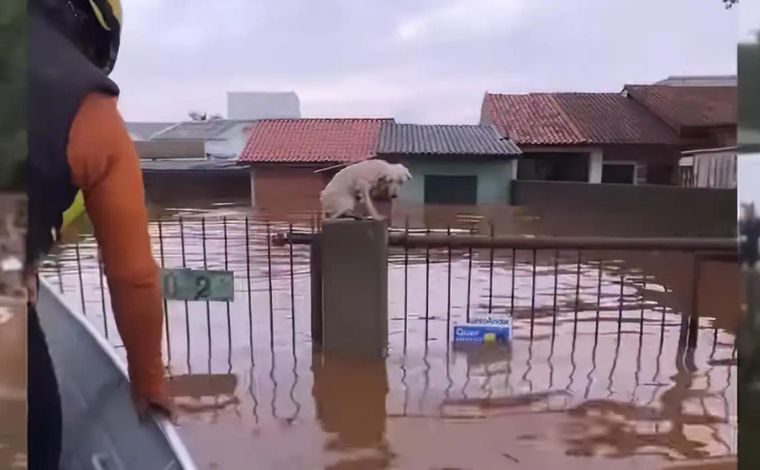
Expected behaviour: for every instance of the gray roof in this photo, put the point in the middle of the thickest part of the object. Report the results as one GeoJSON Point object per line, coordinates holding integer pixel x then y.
{"type": "Point", "coordinates": [144, 130]}
{"type": "Point", "coordinates": [199, 130]}
{"type": "Point", "coordinates": [419, 139]}
{"type": "Point", "coordinates": [191, 165]}
{"type": "Point", "coordinates": [699, 80]}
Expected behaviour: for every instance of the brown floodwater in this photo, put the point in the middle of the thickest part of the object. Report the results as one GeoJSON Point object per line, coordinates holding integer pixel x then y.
{"type": "Point", "coordinates": [601, 383]}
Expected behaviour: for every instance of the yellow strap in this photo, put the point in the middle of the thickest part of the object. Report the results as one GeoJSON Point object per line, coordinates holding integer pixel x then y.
{"type": "Point", "coordinates": [75, 210]}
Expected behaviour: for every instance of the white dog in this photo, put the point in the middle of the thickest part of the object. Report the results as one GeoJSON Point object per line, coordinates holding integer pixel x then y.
{"type": "Point", "coordinates": [358, 183]}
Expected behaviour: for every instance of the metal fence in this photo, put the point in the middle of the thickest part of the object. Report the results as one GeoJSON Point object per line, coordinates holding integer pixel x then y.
{"type": "Point", "coordinates": [436, 278]}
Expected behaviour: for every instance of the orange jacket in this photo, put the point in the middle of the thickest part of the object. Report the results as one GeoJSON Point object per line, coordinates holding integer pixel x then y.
{"type": "Point", "coordinates": [105, 166]}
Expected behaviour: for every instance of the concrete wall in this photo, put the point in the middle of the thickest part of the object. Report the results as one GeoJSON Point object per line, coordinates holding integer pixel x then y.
{"type": "Point", "coordinates": [627, 210]}
{"type": "Point", "coordinates": [195, 189]}
{"type": "Point", "coordinates": [494, 178]}
{"type": "Point", "coordinates": [284, 188]}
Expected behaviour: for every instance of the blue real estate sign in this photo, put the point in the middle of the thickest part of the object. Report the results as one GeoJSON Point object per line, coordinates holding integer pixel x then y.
{"type": "Point", "coordinates": [484, 331]}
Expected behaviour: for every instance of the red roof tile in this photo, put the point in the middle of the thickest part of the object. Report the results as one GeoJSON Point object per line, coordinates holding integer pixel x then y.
{"type": "Point", "coordinates": [312, 141]}
{"type": "Point", "coordinates": [575, 119]}
{"type": "Point", "coordinates": [688, 106]}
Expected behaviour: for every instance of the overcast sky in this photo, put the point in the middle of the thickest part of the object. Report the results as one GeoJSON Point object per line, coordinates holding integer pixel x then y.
{"type": "Point", "coordinates": [427, 61]}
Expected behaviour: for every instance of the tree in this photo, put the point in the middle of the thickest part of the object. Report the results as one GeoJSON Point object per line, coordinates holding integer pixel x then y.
{"type": "Point", "coordinates": [730, 3]}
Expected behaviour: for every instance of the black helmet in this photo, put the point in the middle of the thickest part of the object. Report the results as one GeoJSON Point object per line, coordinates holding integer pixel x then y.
{"type": "Point", "coordinates": [93, 26]}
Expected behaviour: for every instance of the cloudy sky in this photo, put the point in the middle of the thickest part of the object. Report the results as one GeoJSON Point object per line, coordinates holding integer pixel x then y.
{"type": "Point", "coordinates": [426, 61]}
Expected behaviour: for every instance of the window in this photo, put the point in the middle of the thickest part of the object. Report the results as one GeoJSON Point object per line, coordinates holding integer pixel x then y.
{"type": "Point", "coordinates": [460, 189]}
{"type": "Point", "coordinates": [619, 173]}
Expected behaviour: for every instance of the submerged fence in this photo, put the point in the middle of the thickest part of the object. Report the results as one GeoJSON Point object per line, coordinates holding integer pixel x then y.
{"type": "Point", "coordinates": [436, 278]}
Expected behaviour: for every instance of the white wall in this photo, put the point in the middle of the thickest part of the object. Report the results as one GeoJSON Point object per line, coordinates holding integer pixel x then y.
{"type": "Point", "coordinates": [595, 163]}
{"type": "Point", "coordinates": [263, 105]}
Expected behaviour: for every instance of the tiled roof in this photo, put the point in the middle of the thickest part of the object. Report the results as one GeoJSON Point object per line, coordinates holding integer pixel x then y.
{"type": "Point", "coordinates": [312, 141]}
{"type": "Point", "coordinates": [199, 130]}
{"type": "Point", "coordinates": [688, 106]}
{"type": "Point", "coordinates": [575, 119]}
{"type": "Point", "coordinates": [416, 139]}
{"type": "Point", "coordinates": [144, 130]}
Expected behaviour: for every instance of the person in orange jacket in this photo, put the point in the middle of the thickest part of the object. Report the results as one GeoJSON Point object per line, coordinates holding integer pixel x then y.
{"type": "Point", "coordinates": [77, 141]}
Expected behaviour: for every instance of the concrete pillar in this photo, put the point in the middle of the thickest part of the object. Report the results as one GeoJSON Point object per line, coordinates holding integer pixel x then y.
{"type": "Point", "coordinates": [595, 160]}
{"type": "Point", "coordinates": [355, 287]}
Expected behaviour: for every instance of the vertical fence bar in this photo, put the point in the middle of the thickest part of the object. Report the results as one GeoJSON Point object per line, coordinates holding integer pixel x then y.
{"type": "Point", "coordinates": [577, 293]}
{"type": "Point", "coordinates": [427, 292]}
{"type": "Point", "coordinates": [554, 301]}
{"type": "Point", "coordinates": [81, 280]}
{"type": "Point", "coordinates": [469, 279]}
{"type": "Point", "coordinates": [598, 300]}
{"type": "Point", "coordinates": [59, 270]}
{"type": "Point", "coordinates": [620, 306]}
{"type": "Point", "coordinates": [533, 296]}
{"type": "Point", "coordinates": [643, 303]}
{"type": "Point", "coordinates": [166, 304]}
{"type": "Point", "coordinates": [103, 301]}
{"type": "Point", "coordinates": [490, 270]}
{"type": "Point", "coordinates": [184, 265]}
{"type": "Point", "coordinates": [205, 266]}
{"type": "Point", "coordinates": [512, 295]}
{"type": "Point", "coordinates": [292, 291]}
{"type": "Point", "coordinates": [227, 268]}
{"type": "Point", "coordinates": [448, 290]}
{"type": "Point", "coordinates": [406, 281]}
{"type": "Point", "coordinates": [248, 276]}
{"type": "Point", "coordinates": [271, 294]}
{"type": "Point", "coordinates": [694, 313]}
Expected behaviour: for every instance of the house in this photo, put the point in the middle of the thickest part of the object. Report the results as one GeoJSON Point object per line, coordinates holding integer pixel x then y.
{"type": "Point", "coordinates": [451, 164]}
{"type": "Point", "coordinates": [704, 117]}
{"type": "Point", "coordinates": [222, 139]}
{"type": "Point", "coordinates": [585, 137]}
{"type": "Point", "coordinates": [291, 160]}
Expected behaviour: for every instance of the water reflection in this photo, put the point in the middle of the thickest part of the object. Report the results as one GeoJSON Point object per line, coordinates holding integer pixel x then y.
{"type": "Point", "coordinates": [351, 411]}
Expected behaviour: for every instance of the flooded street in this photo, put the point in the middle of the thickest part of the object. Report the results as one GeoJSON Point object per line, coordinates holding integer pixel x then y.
{"type": "Point", "coordinates": [593, 379]}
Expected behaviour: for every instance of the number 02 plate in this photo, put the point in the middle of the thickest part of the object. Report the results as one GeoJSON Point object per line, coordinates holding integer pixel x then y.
{"type": "Point", "coordinates": [200, 285]}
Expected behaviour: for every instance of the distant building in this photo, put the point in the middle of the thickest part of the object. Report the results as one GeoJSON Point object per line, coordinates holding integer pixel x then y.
{"type": "Point", "coordinates": [223, 139]}
{"type": "Point", "coordinates": [451, 164]}
{"type": "Point", "coordinates": [705, 120]}
{"type": "Point", "coordinates": [251, 105]}
{"type": "Point", "coordinates": [291, 160]}
{"type": "Point", "coordinates": [585, 137]}
{"type": "Point", "coordinates": [633, 137]}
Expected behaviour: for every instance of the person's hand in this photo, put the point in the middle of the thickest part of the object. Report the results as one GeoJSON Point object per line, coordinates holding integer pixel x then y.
{"type": "Point", "coordinates": [159, 406]}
